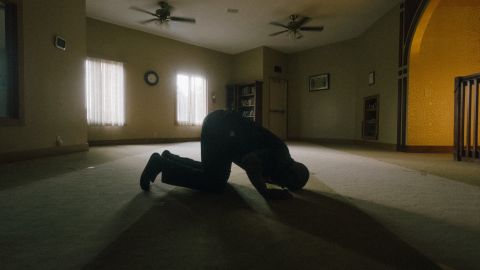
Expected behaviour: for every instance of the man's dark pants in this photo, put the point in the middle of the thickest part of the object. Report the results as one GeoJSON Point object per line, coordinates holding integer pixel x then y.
{"type": "Point", "coordinates": [216, 152]}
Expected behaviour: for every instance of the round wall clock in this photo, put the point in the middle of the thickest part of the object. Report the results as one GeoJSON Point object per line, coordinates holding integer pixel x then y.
{"type": "Point", "coordinates": [151, 77]}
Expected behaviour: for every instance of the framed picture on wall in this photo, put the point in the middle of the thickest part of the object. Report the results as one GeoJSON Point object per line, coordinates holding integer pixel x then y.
{"type": "Point", "coordinates": [371, 78]}
{"type": "Point", "coordinates": [319, 82]}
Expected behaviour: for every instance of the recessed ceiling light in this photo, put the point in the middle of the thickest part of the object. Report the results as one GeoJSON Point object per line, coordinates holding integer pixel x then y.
{"type": "Point", "coordinates": [232, 10]}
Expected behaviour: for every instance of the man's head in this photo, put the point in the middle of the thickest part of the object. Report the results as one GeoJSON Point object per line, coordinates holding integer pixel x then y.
{"type": "Point", "coordinates": [294, 177]}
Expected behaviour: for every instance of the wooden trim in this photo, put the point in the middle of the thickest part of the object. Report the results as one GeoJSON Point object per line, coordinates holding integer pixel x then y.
{"type": "Point", "coordinates": [470, 77]}
{"type": "Point", "coordinates": [469, 118]}
{"type": "Point", "coordinates": [475, 121]}
{"type": "Point", "coordinates": [429, 149]}
{"type": "Point", "coordinates": [287, 110]}
{"type": "Point", "coordinates": [410, 15]}
{"type": "Point", "coordinates": [11, 122]}
{"type": "Point", "coordinates": [259, 102]}
{"type": "Point", "coordinates": [327, 141]}
{"type": "Point", "coordinates": [14, 49]}
{"type": "Point", "coordinates": [141, 141]}
{"type": "Point", "coordinates": [456, 125]}
{"type": "Point", "coordinates": [43, 152]}
{"type": "Point", "coordinates": [386, 146]}
{"type": "Point", "coordinates": [401, 36]}
{"type": "Point", "coordinates": [404, 110]}
{"type": "Point", "coordinates": [418, 8]}
{"type": "Point", "coordinates": [399, 114]}
{"type": "Point", "coordinates": [267, 111]}
{"type": "Point", "coordinates": [321, 140]}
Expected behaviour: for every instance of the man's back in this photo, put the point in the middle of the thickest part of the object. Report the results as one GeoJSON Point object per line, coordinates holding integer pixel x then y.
{"type": "Point", "coordinates": [247, 137]}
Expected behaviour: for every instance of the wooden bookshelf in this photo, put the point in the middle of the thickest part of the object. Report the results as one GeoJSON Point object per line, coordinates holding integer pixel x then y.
{"type": "Point", "coordinates": [246, 99]}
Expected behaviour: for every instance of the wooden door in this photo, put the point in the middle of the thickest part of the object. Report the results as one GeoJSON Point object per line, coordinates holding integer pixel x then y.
{"type": "Point", "coordinates": [278, 107]}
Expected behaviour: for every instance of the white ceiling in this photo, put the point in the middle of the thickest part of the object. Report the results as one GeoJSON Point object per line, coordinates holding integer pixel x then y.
{"type": "Point", "coordinates": [249, 28]}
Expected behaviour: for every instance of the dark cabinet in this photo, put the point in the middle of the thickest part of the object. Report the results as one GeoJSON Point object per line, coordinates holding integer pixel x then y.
{"type": "Point", "coordinates": [370, 118]}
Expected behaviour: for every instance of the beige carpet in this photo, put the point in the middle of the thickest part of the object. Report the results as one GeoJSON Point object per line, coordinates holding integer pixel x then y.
{"type": "Point", "coordinates": [86, 211]}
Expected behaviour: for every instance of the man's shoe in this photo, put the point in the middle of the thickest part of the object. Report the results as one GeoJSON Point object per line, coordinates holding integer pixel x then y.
{"type": "Point", "coordinates": [152, 169]}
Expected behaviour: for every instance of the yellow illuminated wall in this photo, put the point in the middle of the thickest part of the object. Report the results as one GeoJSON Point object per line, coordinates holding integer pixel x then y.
{"type": "Point", "coordinates": [446, 45]}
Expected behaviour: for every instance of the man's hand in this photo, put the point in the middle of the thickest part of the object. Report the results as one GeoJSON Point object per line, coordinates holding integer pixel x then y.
{"type": "Point", "coordinates": [253, 166]}
{"type": "Point", "coordinates": [277, 194]}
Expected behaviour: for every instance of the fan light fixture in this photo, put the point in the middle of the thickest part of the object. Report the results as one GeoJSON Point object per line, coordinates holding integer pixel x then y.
{"type": "Point", "coordinates": [296, 25]}
{"type": "Point", "coordinates": [294, 35]}
{"type": "Point", "coordinates": [163, 15]}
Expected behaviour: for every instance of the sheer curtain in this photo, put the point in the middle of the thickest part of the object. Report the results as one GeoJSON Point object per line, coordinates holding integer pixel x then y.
{"type": "Point", "coordinates": [191, 99]}
{"type": "Point", "coordinates": [105, 92]}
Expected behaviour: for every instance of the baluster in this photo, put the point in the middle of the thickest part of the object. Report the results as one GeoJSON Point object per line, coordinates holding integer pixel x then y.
{"type": "Point", "coordinates": [456, 129]}
{"type": "Point", "coordinates": [462, 119]}
{"type": "Point", "coordinates": [469, 117]}
{"type": "Point", "coordinates": [475, 121]}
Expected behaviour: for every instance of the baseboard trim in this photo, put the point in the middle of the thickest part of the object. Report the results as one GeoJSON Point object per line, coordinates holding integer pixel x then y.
{"type": "Point", "coordinates": [141, 141]}
{"type": "Point", "coordinates": [43, 152]}
{"type": "Point", "coordinates": [386, 146]}
{"type": "Point", "coordinates": [428, 149]}
{"type": "Point", "coordinates": [323, 140]}
{"type": "Point", "coordinates": [326, 141]}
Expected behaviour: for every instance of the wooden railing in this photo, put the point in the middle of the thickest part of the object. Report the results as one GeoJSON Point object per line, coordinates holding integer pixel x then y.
{"type": "Point", "coordinates": [466, 117]}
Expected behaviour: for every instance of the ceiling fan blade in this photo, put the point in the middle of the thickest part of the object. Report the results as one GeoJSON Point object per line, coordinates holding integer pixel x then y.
{"type": "Point", "coordinates": [302, 21]}
{"type": "Point", "coordinates": [278, 33]}
{"type": "Point", "coordinates": [298, 35]}
{"type": "Point", "coordinates": [278, 24]}
{"type": "Point", "coordinates": [312, 28]}
{"type": "Point", "coordinates": [182, 19]}
{"type": "Point", "coordinates": [149, 21]}
{"type": "Point", "coordinates": [144, 11]}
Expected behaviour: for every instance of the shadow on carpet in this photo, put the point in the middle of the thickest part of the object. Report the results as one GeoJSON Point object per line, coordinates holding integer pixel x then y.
{"type": "Point", "coordinates": [194, 230]}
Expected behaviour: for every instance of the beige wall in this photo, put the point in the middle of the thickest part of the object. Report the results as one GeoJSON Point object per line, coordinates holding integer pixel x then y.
{"type": "Point", "coordinates": [327, 113]}
{"type": "Point", "coordinates": [258, 65]}
{"type": "Point", "coordinates": [446, 45]}
{"type": "Point", "coordinates": [150, 110]}
{"type": "Point", "coordinates": [337, 113]}
{"type": "Point", "coordinates": [377, 50]}
{"type": "Point", "coordinates": [248, 66]}
{"type": "Point", "coordinates": [52, 80]}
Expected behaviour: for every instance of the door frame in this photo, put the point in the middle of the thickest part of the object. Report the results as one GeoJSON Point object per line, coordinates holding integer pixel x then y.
{"type": "Point", "coordinates": [286, 102]}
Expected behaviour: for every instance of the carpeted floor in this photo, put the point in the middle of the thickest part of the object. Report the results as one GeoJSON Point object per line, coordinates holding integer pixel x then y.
{"type": "Point", "coordinates": [359, 211]}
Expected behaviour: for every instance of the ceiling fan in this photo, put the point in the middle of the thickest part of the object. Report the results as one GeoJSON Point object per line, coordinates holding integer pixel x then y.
{"type": "Point", "coordinates": [295, 26]}
{"type": "Point", "coordinates": [162, 14]}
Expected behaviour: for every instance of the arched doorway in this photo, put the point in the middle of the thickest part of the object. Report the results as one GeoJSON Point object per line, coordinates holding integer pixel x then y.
{"type": "Point", "coordinates": [445, 44]}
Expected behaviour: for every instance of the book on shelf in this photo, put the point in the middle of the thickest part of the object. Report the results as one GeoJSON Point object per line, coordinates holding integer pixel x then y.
{"type": "Point", "coordinates": [248, 90]}
{"type": "Point", "coordinates": [248, 113]}
{"type": "Point", "coordinates": [248, 102]}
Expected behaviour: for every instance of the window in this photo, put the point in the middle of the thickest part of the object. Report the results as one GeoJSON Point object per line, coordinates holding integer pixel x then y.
{"type": "Point", "coordinates": [191, 99]}
{"type": "Point", "coordinates": [105, 92]}
{"type": "Point", "coordinates": [9, 93]}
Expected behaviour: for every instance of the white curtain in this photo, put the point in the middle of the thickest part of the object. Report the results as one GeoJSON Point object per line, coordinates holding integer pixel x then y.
{"type": "Point", "coordinates": [105, 92]}
{"type": "Point", "coordinates": [191, 99]}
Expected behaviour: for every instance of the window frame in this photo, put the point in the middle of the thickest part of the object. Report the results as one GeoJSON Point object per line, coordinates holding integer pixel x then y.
{"type": "Point", "coordinates": [207, 104]}
{"type": "Point", "coordinates": [14, 47]}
